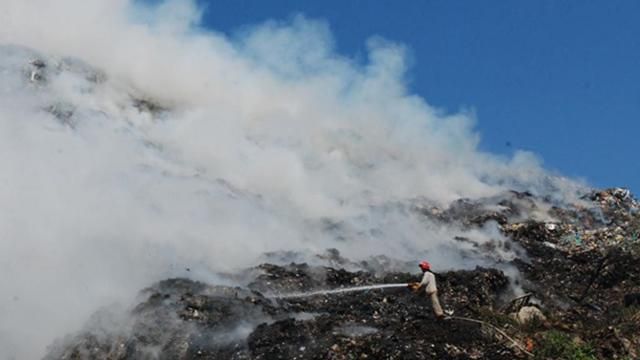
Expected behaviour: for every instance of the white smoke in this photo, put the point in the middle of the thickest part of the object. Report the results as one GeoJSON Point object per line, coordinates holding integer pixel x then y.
{"type": "Point", "coordinates": [191, 149]}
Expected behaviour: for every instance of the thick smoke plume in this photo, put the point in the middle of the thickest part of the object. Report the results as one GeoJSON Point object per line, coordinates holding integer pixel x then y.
{"type": "Point", "coordinates": [134, 144]}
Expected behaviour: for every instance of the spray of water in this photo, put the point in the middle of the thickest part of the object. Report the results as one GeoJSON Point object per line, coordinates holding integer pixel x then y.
{"type": "Point", "coordinates": [339, 291]}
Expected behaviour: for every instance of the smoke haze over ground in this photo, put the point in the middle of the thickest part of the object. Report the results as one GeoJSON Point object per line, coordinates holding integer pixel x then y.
{"type": "Point", "coordinates": [143, 145]}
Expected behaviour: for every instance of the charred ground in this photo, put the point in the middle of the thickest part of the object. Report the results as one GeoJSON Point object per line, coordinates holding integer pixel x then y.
{"type": "Point", "coordinates": [580, 270]}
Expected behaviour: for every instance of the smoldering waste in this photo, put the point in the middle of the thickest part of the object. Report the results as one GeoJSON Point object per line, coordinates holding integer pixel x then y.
{"type": "Point", "coordinates": [579, 277]}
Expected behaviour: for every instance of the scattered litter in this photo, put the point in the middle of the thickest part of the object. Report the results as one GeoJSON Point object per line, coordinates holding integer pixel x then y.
{"type": "Point", "coordinates": [574, 270]}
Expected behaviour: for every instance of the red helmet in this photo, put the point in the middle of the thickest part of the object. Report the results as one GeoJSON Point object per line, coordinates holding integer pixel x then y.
{"type": "Point", "coordinates": [424, 265]}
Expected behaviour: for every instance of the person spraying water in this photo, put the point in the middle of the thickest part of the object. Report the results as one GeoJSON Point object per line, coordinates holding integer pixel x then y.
{"type": "Point", "coordinates": [429, 283]}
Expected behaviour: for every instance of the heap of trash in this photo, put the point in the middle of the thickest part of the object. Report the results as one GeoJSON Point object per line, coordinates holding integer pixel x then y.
{"type": "Point", "coordinates": [576, 296]}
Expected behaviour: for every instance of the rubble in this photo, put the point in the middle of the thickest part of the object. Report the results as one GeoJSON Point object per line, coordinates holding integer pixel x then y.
{"type": "Point", "coordinates": [39, 69]}
{"type": "Point", "coordinates": [578, 298]}
{"type": "Point", "coordinates": [179, 314]}
{"type": "Point", "coordinates": [149, 106]}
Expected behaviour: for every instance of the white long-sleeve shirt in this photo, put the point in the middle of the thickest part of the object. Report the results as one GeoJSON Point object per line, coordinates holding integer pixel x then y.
{"type": "Point", "coordinates": [429, 282]}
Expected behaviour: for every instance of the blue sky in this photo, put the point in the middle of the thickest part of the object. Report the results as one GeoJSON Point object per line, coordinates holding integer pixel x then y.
{"type": "Point", "coordinates": [559, 78]}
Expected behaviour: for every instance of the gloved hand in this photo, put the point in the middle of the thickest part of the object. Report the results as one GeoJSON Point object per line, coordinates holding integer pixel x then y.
{"type": "Point", "coordinates": [413, 286]}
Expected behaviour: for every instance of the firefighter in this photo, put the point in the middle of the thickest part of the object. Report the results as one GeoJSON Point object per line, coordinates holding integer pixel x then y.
{"type": "Point", "coordinates": [429, 283]}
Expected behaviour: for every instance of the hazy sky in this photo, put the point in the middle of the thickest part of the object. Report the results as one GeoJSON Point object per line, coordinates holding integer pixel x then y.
{"type": "Point", "coordinates": [559, 78]}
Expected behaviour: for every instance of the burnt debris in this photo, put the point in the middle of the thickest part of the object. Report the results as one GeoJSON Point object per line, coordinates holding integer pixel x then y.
{"type": "Point", "coordinates": [577, 294]}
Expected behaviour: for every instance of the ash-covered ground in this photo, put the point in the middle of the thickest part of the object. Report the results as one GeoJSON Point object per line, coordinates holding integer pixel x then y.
{"type": "Point", "coordinates": [575, 295]}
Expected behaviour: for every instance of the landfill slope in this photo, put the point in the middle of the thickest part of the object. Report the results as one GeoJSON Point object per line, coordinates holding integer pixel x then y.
{"type": "Point", "coordinates": [576, 291]}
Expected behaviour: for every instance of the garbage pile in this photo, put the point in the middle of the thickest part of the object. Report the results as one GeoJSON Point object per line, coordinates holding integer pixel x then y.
{"type": "Point", "coordinates": [184, 319]}
{"type": "Point", "coordinates": [577, 296]}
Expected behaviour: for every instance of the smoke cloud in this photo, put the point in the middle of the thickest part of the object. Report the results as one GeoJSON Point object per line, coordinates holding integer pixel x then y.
{"type": "Point", "coordinates": [135, 144]}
